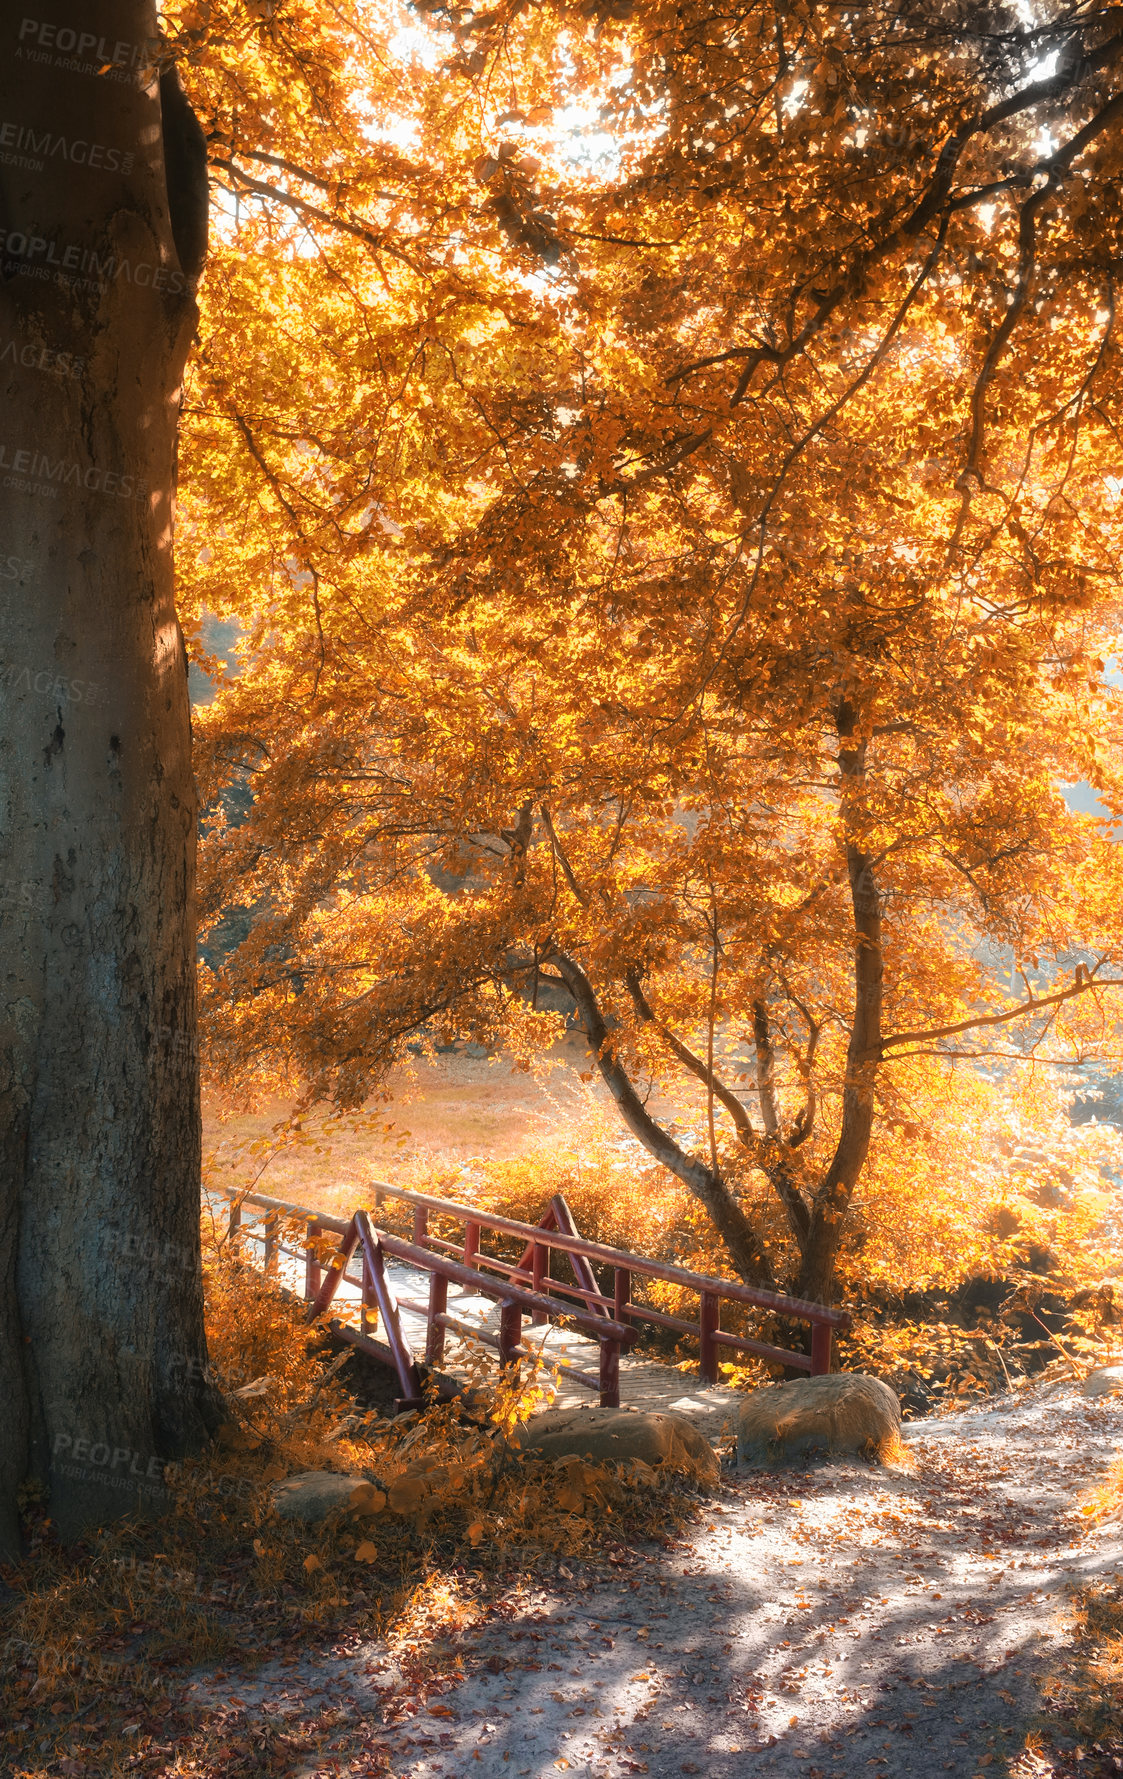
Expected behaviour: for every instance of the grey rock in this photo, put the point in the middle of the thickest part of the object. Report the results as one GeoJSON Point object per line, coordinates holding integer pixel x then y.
{"type": "Point", "coordinates": [669, 1441]}
{"type": "Point", "coordinates": [315, 1494]}
{"type": "Point", "coordinates": [1106, 1380]}
{"type": "Point", "coordinates": [843, 1412]}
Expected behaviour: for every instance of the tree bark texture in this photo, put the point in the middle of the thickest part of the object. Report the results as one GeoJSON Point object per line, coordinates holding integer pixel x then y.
{"type": "Point", "coordinates": [864, 1050]}
{"type": "Point", "coordinates": [103, 230]}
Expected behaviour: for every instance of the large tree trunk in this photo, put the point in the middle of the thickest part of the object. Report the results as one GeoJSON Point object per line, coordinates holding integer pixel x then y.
{"type": "Point", "coordinates": [102, 1355]}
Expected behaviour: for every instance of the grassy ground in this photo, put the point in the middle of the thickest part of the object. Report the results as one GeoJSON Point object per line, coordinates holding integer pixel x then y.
{"type": "Point", "coordinates": [445, 1113]}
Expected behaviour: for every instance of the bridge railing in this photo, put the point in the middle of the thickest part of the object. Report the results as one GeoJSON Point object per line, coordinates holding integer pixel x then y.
{"type": "Point", "coordinates": [521, 1288]}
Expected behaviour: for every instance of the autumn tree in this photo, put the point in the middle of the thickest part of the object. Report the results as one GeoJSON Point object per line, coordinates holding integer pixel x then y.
{"type": "Point", "coordinates": [104, 168]}
{"type": "Point", "coordinates": [697, 551]}
{"type": "Point", "coordinates": [101, 1343]}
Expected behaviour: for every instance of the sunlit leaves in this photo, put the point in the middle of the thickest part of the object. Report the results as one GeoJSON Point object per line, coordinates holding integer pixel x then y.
{"type": "Point", "coordinates": [580, 474]}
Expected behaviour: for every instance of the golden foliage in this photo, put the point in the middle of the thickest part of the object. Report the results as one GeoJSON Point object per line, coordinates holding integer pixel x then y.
{"type": "Point", "coordinates": [985, 1185]}
{"type": "Point", "coordinates": [677, 571]}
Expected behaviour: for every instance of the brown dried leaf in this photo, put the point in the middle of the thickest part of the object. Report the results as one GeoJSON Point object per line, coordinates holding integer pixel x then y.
{"type": "Point", "coordinates": [365, 1498]}
{"type": "Point", "coordinates": [406, 1493]}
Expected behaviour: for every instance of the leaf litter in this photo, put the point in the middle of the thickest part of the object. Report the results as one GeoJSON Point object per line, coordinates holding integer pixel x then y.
{"type": "Point", "coordinates": [836, 1622]}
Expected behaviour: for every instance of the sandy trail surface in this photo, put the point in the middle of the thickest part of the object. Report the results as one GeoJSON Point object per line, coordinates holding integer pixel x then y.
{"type": "Point", "coordinates": [838, 1622]}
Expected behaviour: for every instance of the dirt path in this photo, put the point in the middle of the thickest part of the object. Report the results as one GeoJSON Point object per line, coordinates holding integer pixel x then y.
{"type": "Point", "coordinates": [836, 1623]}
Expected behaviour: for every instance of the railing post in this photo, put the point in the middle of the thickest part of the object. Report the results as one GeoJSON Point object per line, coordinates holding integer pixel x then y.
{"type": "Point", "coordinates": [510, 1332]}
{"type": "Point", "coordinates": [709, 1321]}
{"type": "Point", "coordinates": [235, 1216]}
{"type": "Point", "coordinates": [271, 1223]}
{"type": "Point", "coordinates": [376, 1287]}
{"type": "Point", "coordinates": [609, 1373]}
{"type": "Point", "coordinates": [622, 1291]}
{"type": "Point", "coordinates": [336, 1268]}
{"type": "Point", "coordinates": [368, 1294]}
{"type": "Point", "coordinates": [421, 1226]}
{"type": "Point", "coordinates": [438, 1304]}
{"type": "Point", "coordinates": [312, 1268]}
{"type": "Point", "coordinates": [471, 1242]}
{"type": "Point", "coordinates": [820, 1348]}
{"type": "Point", "coordinates": [538, 1266]}
{"type": "Point", "coordinates": [582, 1269]}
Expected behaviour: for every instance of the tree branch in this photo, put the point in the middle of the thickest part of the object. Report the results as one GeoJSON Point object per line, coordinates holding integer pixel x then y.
{"type": "Point", "coordinates": [864, 1049]}
{"type": "Point", "coordinates": [694, 1064]}
{"type": "Point", "coordinates": [936, 201]}
{"type": "Point", "coordinates": [740, 1237]}
{"type": "Point", "coordinates": [1082, 986]}
{"type": "Point", "coordinates": [559, 854]}
{"type": "Point", "coordinates": [765, 1070]}
{"type": "Point", "coordinates": [361, 231]}
{"type": "Point", "coordinates": [799, 1217]}
{"type": "Point", "coordinates": [517, 840]}
{"type": "Point", "coordinates": [785, 1188]}
{"type": "Point", "coordinates": [805, 1122]}
{"type": "Point", "coordinates": [321, 184]}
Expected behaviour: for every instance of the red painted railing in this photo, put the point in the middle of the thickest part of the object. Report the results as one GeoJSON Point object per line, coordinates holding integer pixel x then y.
{"type": "Point", "coordinates": [522, 1288]}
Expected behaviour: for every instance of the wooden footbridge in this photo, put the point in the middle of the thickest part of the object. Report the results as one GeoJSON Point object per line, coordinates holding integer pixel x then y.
{"type": "Point", "coordinates": [428, 1293]}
